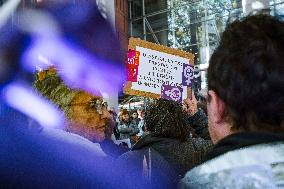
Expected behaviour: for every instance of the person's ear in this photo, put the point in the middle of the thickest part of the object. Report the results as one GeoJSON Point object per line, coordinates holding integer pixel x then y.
{"type": "Point", "coordinates": [217, 106]}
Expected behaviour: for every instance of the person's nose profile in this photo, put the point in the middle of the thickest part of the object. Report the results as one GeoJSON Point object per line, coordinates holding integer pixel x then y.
{"type": "Point", "coordinates": [105, 114]}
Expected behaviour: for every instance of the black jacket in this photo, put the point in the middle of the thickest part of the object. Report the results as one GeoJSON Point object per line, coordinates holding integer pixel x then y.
{"type": "Point", "coordinates": [241, 140]}
{"type": "Point", "coordinates": [111, 149]}
{"type": "Point", "coordinates": [199, 122]}
{"type": "Point", "coordinates": [173, 157]}
{"type": "Point", "coordinates": [181, 155]}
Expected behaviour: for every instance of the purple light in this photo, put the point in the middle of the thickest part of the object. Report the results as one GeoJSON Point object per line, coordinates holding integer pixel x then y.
{"type": "Point", "coordinates": [38, 23]}
{"type": "Point", "coordinates": [78, 68]}
{"type": "Point", "coordinates": [7, 10]}
{"type": "Point", "coordinates": [26, 101]}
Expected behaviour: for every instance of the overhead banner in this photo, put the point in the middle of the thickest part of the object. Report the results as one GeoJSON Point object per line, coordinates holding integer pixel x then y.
{"type": "Point", "coordinates": [157, 71]}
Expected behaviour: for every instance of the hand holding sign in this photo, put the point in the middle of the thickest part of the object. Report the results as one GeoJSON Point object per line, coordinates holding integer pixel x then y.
{"type": "Point", "coordinates": [159, 65]}
{"type": "Point", "coordinates": [190, 105]}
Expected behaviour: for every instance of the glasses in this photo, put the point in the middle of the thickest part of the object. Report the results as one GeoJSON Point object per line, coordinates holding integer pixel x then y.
{"type": "Point", "coordinates": [95, 103]}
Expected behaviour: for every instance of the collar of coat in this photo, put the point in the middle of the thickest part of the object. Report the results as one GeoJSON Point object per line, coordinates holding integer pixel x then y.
{"type": "Point", "coordinates": [242, 140]}
{"type": "Point", "coordinates": [148, 140]}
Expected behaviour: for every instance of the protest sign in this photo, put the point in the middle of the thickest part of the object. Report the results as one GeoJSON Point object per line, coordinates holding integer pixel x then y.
{"type": "Point", "coordinates": [154, 70]}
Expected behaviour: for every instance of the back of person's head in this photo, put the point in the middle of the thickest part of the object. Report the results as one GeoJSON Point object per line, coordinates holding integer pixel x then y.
{"type": "Point", "coordinates": [246, 73]}
{"type": "Point", "coordinates": [165, 118]}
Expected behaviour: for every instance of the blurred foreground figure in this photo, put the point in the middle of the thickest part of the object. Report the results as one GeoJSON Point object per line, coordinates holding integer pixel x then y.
{"type": "Point", "coordinates": [245, 108]}
{"type": "Point", "coordinates": [77, 40]}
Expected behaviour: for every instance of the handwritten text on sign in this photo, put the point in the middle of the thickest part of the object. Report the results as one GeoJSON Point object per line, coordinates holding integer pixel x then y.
{"type": "Point", "coordinates": [157, 69]}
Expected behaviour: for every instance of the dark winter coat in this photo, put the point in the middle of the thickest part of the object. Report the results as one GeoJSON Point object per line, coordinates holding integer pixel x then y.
{"type": "Point", "coordinates": [199, 122]}
{"type": "Point", "coordinates": [171, 158]}
{"type": "Point", "coordinates": [146, 169]}
{"type": "Point", "coordinates": [111, 149]}
{"type": "Point", "coordinates": [179, 156]}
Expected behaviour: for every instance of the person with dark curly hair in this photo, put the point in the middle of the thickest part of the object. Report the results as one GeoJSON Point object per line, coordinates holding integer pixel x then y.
{"type": "Point", "coordinates": [171, 141]}
{"type": "Point", "coordinates": [245, 108]}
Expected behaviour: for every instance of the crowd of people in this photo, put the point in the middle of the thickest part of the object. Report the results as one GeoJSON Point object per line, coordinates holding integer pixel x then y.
{"type": "Point", "coordinates": [130, 125]}
{"type": "Point", "coordinates": [235, 142]}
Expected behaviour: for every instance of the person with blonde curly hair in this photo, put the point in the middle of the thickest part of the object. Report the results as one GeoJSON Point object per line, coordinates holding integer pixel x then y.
{"type": "Point", "coordinates": [85, 113]}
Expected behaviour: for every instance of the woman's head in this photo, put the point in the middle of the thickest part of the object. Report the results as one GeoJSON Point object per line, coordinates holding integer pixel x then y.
{"type": "Point", "coordinates": [85, 113]}
{"type": "Point", "coordinates": [125, 116]}
{"type": "Point", "coordinates": [166, 118]}
{"type": "Point", "coordinates": [134, 114]}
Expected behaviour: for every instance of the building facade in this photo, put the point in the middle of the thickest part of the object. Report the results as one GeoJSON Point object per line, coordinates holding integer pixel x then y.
{"type": "Point", "coordinates": [191, 25]}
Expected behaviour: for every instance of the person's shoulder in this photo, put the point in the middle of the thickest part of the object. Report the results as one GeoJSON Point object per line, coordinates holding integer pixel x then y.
{"type": "Point", "coordinates": [239, 167]}
{"type": "Point", "coordinates": [131, 155]}
{"type": "Point", "coordinates": [119, 124]}
{"type": "Point", "coordinates": [71, 141]}
{"type": "Point", "coordinates": [199, 143]}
